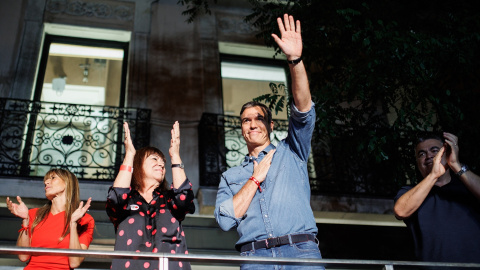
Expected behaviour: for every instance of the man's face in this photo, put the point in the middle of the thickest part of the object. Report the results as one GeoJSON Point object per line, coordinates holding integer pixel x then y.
{"type": "Point", "coordinates": [254, 128]}
{"type": "Point", "coordinates": [425, 152]}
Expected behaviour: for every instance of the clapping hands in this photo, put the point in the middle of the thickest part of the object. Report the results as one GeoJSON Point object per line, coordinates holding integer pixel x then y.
{"type": "Point", "coordinates": [129, 148]}
{"type": "Point", "coordinates": [20, 210]}
{"type": "Point", "coordinates": [81, 210]}
{"type": "Point", "coordinates": [174, 150]}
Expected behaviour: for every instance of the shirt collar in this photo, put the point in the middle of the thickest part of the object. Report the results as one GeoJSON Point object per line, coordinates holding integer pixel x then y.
{"type": "Point", "coordinates": [262, 153]}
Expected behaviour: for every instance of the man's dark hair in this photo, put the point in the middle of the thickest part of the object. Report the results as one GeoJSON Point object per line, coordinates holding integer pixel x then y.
{"type": "Point", "coordinates": [267, 114]}
{"type": "Point", "coordinates": [427, 135]}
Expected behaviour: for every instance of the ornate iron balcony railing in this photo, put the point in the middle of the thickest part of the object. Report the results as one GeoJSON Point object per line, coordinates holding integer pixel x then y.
{"type": "Point", "coordinates": [86, 139]}
{"type": "Point", "coordinates": [332, 167]}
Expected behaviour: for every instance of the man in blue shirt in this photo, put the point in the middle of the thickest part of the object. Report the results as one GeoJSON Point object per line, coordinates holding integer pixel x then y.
{"type": "Point", "coordinates": [267, 197]}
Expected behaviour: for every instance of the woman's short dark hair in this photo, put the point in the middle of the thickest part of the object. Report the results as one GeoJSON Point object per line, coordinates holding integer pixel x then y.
{"type": "Point", "coordinates": [138, 173]}
{"type": "Point", "coordinates": [267, 113]}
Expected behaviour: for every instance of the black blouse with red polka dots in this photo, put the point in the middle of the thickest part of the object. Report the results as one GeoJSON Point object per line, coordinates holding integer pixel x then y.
{"type": "Point", "coordinates": [153, 226]}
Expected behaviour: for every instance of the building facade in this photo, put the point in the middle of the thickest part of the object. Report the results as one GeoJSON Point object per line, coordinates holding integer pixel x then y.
{"type": "Point", "coordinates": [167, 70]}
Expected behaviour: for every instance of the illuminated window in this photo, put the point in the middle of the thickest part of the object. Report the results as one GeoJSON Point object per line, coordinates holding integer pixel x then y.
{"type": "Point", "coordinates": [82, 71]}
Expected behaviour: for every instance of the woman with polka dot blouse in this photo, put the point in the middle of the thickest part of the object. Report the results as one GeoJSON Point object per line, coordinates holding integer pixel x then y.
{"type": "Point", "coordinates": [147, 215]}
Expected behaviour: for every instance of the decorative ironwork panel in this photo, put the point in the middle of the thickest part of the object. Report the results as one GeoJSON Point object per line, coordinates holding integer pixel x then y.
{"type": "Point", "coordinates": [86, 139]}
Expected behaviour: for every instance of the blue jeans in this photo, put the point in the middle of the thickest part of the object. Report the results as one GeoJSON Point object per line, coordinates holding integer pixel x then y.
{"type": "Point", "coordinates": [307, 249]}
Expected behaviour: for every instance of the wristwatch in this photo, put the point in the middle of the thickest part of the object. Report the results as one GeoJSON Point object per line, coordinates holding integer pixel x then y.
{"type": "Point", "coordinates": [462, 170]}
{"type": "Point", "coordinates": [178, 166]}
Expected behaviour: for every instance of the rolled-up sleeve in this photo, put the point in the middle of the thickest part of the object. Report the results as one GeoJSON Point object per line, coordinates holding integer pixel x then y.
{"type": "Point", "coordinates": [224, 212]}
{"type": "Point", "coordinates": [182, 200]}
{"type": "Point", "coordinates": [300, 131]}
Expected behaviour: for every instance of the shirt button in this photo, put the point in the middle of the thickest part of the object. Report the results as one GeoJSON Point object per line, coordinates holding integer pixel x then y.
{"type": "Point", "coordinates": [261, 200]}
{"type": "Point", "coordinates": [270, 235]}
{"type": "Point", "coordinates": [266, 215]}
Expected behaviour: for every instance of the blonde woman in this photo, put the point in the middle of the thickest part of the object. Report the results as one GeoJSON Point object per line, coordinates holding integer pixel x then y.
{"type": "Point", "coordinates": [61, 223]}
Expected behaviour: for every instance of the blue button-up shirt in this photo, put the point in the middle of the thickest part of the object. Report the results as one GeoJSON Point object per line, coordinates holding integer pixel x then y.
{"type": "Point", "coordinates": [283, 206]}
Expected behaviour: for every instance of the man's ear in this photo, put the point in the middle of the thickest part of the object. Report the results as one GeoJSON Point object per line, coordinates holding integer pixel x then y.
{"type": "Point", "coordinates": [271, 126]}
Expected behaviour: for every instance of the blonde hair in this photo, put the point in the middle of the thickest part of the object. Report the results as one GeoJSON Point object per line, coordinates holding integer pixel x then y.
{"type": "Point", "coordinates": [72, 195]}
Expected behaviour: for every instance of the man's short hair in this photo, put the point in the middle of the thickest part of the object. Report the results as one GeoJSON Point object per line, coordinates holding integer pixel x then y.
{"type": "Point", "coordinates": [267, 113]}
{"type": "Point", "coordinates": [427, 135]}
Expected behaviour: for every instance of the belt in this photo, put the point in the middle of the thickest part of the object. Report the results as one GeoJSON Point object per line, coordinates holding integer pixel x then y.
{"type": "Point", "coordinates": [277, 241]}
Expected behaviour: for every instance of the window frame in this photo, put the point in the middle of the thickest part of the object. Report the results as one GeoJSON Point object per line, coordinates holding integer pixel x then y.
{"type": "Point", "coordinates": [49, 39]}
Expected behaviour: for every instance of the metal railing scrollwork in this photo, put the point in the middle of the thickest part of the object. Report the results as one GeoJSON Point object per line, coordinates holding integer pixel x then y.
{"type": "Point", "coordinates": [86, 139]}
